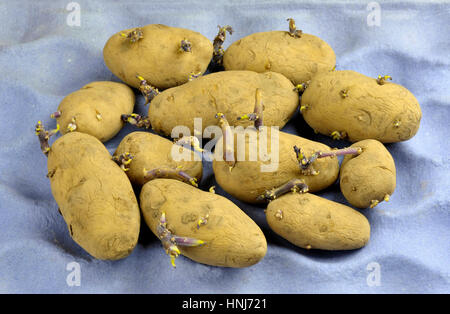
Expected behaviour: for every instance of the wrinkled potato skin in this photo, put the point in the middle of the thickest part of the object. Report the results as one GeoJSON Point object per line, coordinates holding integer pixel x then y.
{"type": "Point", "coordinates": [299, 59]}
{"type": "Point", "coordinates": [151, 151]}
{"type": "Point", "coordinates": [109, 99]}
{"type": "Point", "coordinates": [312, 222]}
{"type": "Point", "coordinates": [369, 112]}
{"type": "Point", "coordinates": [246, 181]}
{"type": "Point", "coordinates": [232, 238]}
{"type": "Point", "coordinates": [156, 57]}
{"type": "Point", "coordinates": [229, 92]}
{"type": "Point", "coordinates": [94, 195]}
{"type": "Point", "coordinates": [368, 176]}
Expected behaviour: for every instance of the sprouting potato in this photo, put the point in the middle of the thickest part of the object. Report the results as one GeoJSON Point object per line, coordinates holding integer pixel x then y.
{"type": "Point", "coordinates": [203, 226]}
{"type": "Point", "coordinates": [140, 151]}
{"type": "Point", "coordinates": [368, 178]}
{"type": "Point", "coordinates": [350, 105]}
{"type": "Point", "coordinates": [248, 179]}
{"type": "Point", "coordinates": [94, 195]}
{"type": "Point", "coordinates": [95, 109]}
{"type": "Point", "coordinates": [230, 92]}
{"type": "Point", "coordinates": [313, 222]}
{"type": "Point", "coordinates": [296, 55]}
{"type": "Point", "coordinates": [165, 56]}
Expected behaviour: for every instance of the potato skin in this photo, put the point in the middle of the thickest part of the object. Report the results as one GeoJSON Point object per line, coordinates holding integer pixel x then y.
{"type": "Point", "coordinates": [229, 92]}
{"type": "Point", "coordinates": [368, 176]}
{"type": "Point", "coordinates": [94, 195]}
{"type": "Point", "coordinates": [152, 151]}
{"type": "Point", "coordinates": [246, 181]}
{"type": "Point", "coordinates": [313, 222]}
{"type": "Point", "coordinates": [299, 59]}
{"type": "Point", "coordinates": [97, 108]}
{"type": "Point", "coordinates": [370, 111]}
{"type": "Point", "coordinates": [232, 238]}
{"type": "Point", "coordinates": [157, 57]}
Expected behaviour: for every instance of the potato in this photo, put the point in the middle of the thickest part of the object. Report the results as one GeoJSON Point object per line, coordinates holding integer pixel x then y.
{"type": "Point", "coordinates": [151, 151]}
{"type": "Point", "coordinates": [313, 222]}
{"type": "Point", "coordinates": [368, 178]}
{"type": "Point", "coordinates": [229, 92]}
{"type": "Point", "coordinates": [347, 104]}
{"type": "Point", "coordinates": [232, 238]}
{"type": "Point", "coordinates": [96, 109]}
{"type": "Point", "coordinates": [157, 55]}
{"type": "Point", "coordinates": [248, 179]}
{"type": "Point", "coordinates": [94, 195]}
{"type": "Point", "coordinates": [299, 59]}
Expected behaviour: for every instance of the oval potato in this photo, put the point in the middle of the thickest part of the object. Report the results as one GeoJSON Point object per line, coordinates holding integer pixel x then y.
{"type": "Point", "coordinates": [96, 109]}
{"type": "Point", "coordinates": [359, 108]}
{"type": "Point", "coordinates": [368, 178]}
{"type": "Point", "coordinates": [251, 177]}
{"type": "Point", "coordinates": [299, 59]}
{"type": "Point", "coordinates": [229, 92]}
{"type": "Point", "coordinates": [313, 222]}
{"type": "Point", "coordinates": [94, 195]}
{"type": "Point", "coordinates": [157, 56]}
{"type": "Point", "coordinates": [232, 238]}
{"type": "Point", "coordinates": [151, 151]}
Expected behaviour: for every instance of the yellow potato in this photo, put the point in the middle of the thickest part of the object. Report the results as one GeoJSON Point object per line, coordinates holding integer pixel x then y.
{"type": "Point", "coordinates": [157, 56]}
{"type": "Point", "coordinates": [313, 222]}
{"type": "Point", "coordinates": [229, 92]}
{"type": "Point", "coordinates": [94, 195]}
{"type": "Point", "coordinates": [96, 109]}
{"type": "Point", "coordinates": [368, 178]}
{"type": "Point", "coordinates": [231, 238]}
{"type": "Point", "coordinates": [350, 105]}
{"type": "Point", "coordinates": [299, 59]}
{"type": "Point", "coordinates": [151, 151]}
{"type": "Point", "coordinates": [251, 177]}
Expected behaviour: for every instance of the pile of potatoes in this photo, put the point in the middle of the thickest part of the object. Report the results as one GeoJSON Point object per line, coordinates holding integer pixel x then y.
{"type": "Point", "coordinates": [260, 81]}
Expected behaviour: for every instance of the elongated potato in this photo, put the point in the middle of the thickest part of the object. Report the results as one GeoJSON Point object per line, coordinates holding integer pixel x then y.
{"type": "Point", "coordinates": [231, 238]}
{"type": "Point", "coordinates": [94, 195]}
{"type": "Point", "coordinates": [350, 105]}
{"type": "Point", "coordinates": [165, 56]}
{"type": "Point", "coordinates": [151, 151]}
{"type": "Point", "coordinates": [229, 92]}
{"type": "Point", "coordinates": [96, 109]}
{"type": "Point", "coordinates": [313, 222]}
{"type": "Point", "coordinates": [254, 173]}
{"type": "Point", "coordinates": [368, 178]}
{"type": "Point", "coordinates": [299, 59]}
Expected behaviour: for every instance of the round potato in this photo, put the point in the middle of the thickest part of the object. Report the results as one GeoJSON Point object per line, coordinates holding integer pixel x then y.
{"type": "Point", "coordinates": [313, 222]}
{"type": "Point", "coordinates": [297, 58]}
{"type": "Point", "coordinates": [368, 178]}
{"type": "Point", "coordinates": [255, 172]}
{"type": "Point", "coordinates": [94, 195]}
{"type": "Point", "coordinates": [350, 105]}
{"type": "Point", "coordinates": [150, 151]}
{"type": "Point", "coordinates": [229, 92]}
{"type": "Point", "coordinates": [96, 109]}
{"type": "Point", "coordinates": [165, 56]}
{"type": "Point", "coordinates": [231, 238]}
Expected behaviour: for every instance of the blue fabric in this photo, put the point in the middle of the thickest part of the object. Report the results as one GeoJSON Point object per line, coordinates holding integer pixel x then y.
{"type": "Point", "coordinates": [42, 59]}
